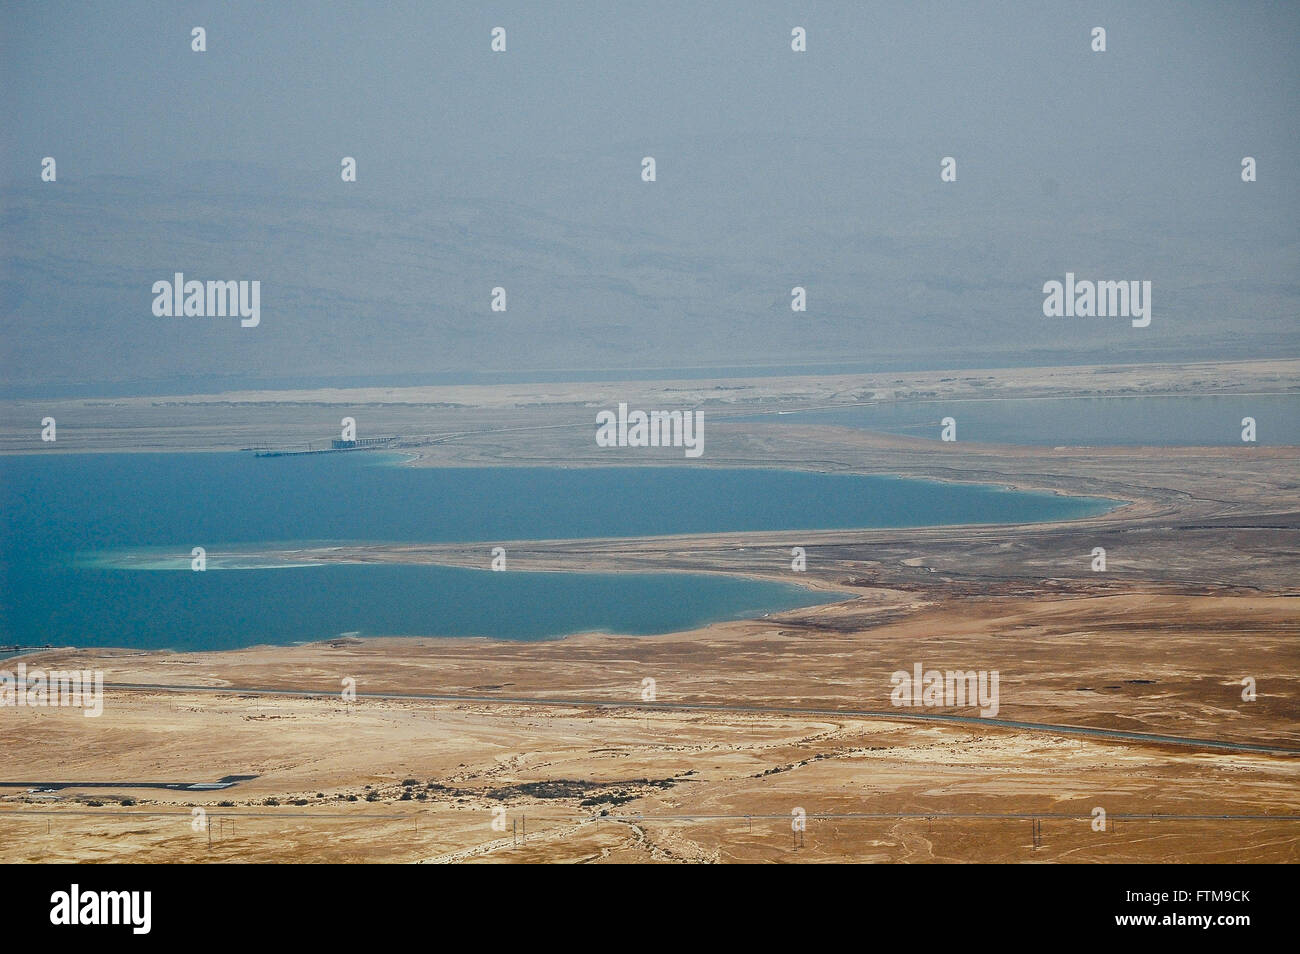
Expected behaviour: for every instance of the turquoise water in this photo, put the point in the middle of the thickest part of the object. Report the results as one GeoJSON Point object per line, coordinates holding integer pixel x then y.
{"type": "Point", "coordinates": [1126, 421]}
{"type": "Point", "coordinates": [69, 524]}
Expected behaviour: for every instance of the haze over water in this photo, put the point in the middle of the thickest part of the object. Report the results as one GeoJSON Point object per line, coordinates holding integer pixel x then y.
{"type": "Point", "coordinates": [1148, 420]}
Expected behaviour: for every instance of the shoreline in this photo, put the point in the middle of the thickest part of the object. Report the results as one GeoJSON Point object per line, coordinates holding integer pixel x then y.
{"type": "Point", "coordinates": [440, 415]}
{"type": "Point", "coordinates": [1199, 593]}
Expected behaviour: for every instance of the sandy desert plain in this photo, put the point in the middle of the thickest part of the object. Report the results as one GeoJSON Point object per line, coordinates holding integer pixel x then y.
{"type": "Point", "coordinates": [752, 719]}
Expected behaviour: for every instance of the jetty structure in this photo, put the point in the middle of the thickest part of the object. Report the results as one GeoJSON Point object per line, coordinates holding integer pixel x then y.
{"type": "Point", "coordinates": [336, 446]}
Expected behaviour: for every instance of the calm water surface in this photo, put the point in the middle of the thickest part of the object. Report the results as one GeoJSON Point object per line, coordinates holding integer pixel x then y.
{"type": "Point", "coordinates": [71, 526]}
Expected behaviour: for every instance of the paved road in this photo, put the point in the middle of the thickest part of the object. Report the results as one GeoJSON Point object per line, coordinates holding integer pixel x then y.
{"type": "Point", "coordinates": [216, 786]}
{"type": "Point", "coordinates": [892, 715]}
{"type": "Point", "coordinates": [703, 817]}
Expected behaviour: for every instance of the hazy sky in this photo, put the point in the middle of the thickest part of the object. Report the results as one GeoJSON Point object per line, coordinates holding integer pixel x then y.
{"type": "Point", "coordinates": [810, 155]}
{"type": "Point", "coordinates": [115, 88]}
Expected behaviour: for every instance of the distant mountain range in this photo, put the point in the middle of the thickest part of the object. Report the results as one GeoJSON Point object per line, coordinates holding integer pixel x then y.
{"type": "Point", "coordinates": [392, 276]}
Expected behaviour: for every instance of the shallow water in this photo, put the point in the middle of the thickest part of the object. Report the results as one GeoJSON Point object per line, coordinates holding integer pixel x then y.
{"type": "Point", "coordinates": [79, 533]}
